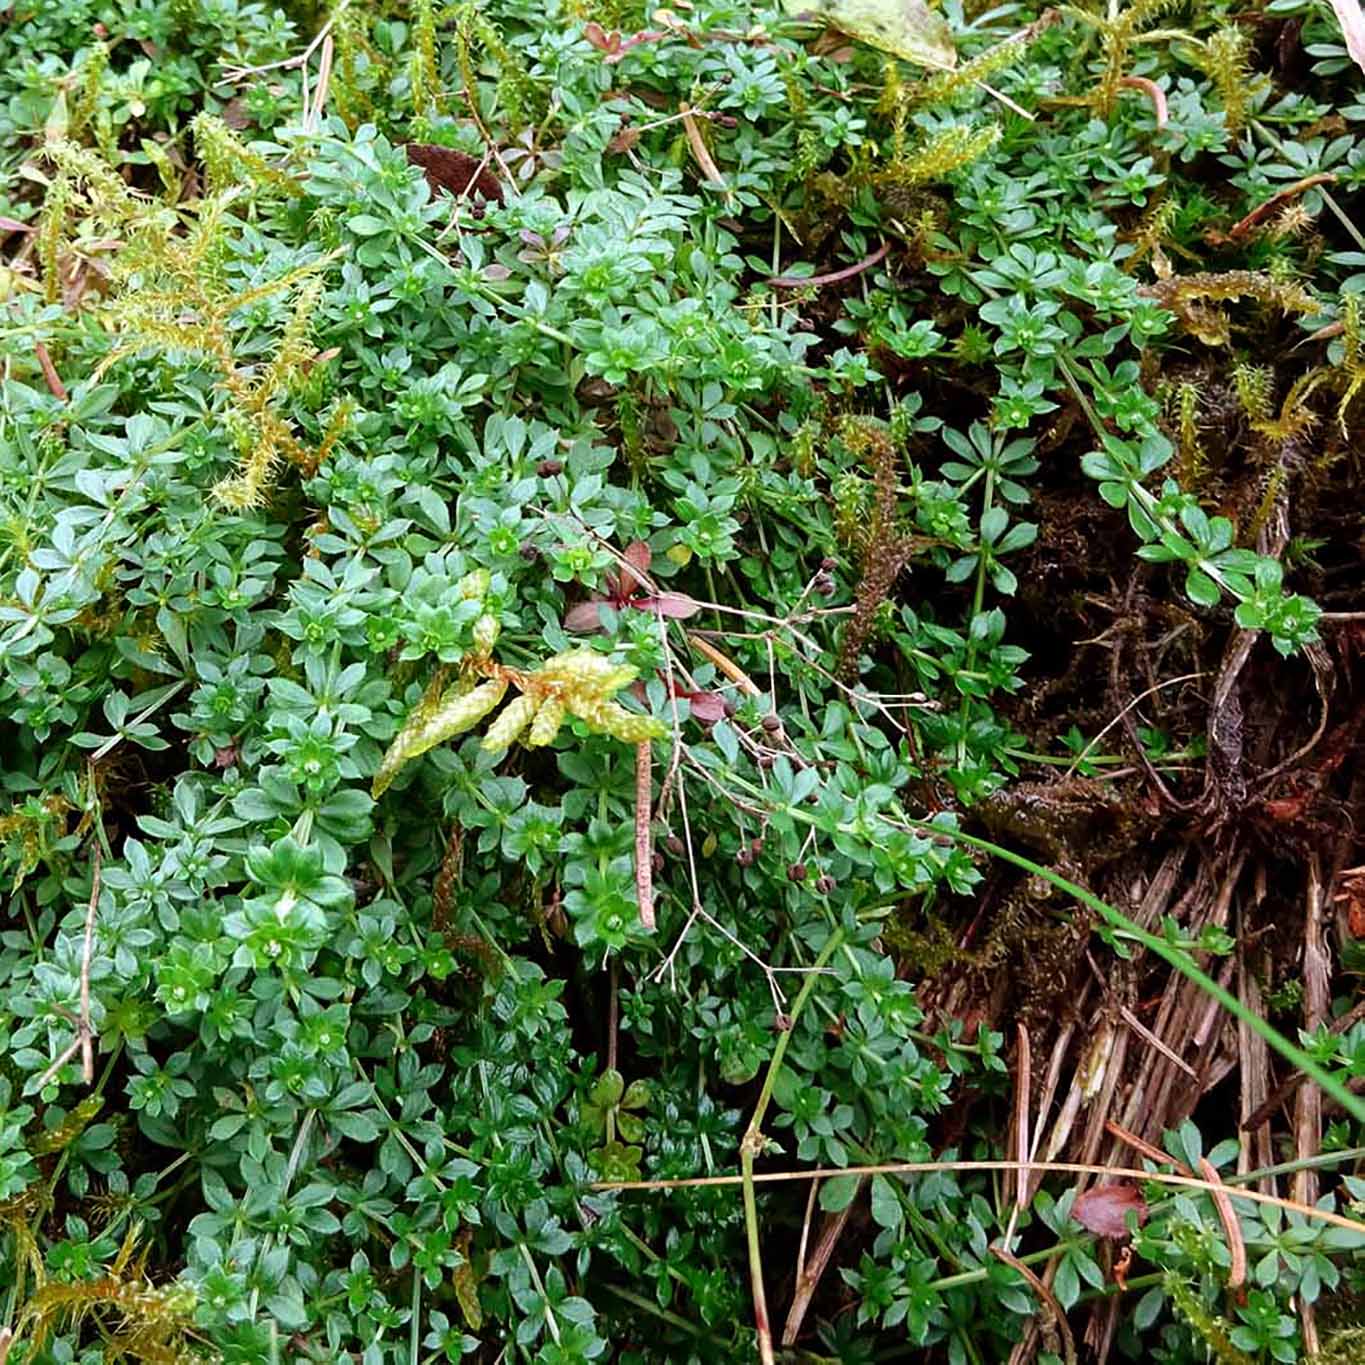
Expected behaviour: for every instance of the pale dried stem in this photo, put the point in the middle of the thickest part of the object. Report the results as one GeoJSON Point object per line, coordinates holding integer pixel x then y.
{"type": "Point", "coordinates": [1254, 1070]}
{"type": "Point", "coordinates": [809, 1273]}
{"type": "Point", "coordinates": [1046, 1297]}
{"type": "Point", "coordinates": [1232, 1229]}
{"type": "Point", "coordinates": [1317, 1001]}
{"type": "Point", "coordinates": [1018, 1185]}
{"type": "Point", "coordinates": [1309, 1211]}
{"type": "Point", "coordinates": [644, 851]}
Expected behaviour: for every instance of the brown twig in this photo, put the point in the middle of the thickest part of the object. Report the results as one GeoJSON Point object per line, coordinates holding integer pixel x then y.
{"type": "Point", "coordinates": [612, 1009]}
{"type": "Point", "coordinates": [1045, 1296]}
{"type": "Point", "coordinates": [1153, 92]}
{"type": "Point", "coordinates": [833, 276]}
{"type": "Point", "coordinates": [1184, 1182]}
{"type": "Point", "coordinates": [54, 381]}
{"type": "Point", "coordinates": [84, 1041]}
{"type": "Point", "coordinates": [314, 116]}
{"type": "Point", "coordinates": [644, 849]}
{"type": "Point", "coordinates": [1263, 211]}
{"type": "Point", "coordinates": [1232, 1229]}
{"type": "Point", "coordinates": [810, 1271]}
{"type": "Point", "coordinates": [1317, 999]}
{"type": "Point", "coordinates": [700, 151]}
{"type": "Point", "coordinates": [726, 664]}
{"type": "Point", "coordinates": [1023, 1111]}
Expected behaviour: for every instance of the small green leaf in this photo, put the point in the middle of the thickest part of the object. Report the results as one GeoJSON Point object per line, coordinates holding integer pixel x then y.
{"type": "Point", "coordinates": [838, 1192]}
{"type": "Point", "coordinates": [1202, 590]}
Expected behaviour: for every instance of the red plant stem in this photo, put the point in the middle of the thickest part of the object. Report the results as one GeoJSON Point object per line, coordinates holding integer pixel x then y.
{"type": "Point", "coordinates": [54, 381]}
{"type": "Point", "coordinates": [1153, 92]}
{"type": "Point", "coordinates": [644, 851]}
{"type": "Point", "coordinates": [834, 276]}
{"type": "Point", "coordinates": [1263, 211]}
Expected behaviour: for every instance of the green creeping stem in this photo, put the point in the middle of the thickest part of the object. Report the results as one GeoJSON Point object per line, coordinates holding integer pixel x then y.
{"type": "Point", "coordinates": [1177, 957]}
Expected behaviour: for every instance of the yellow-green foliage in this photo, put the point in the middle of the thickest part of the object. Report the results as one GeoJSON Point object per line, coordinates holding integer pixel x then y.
{"type": "Point", "coordinates": [86, 102]}
{"type": "Point", "coordinates": [945, 85]}
{"type": "Point", "coordinates": [85, 185]}
{"type": "Point", "coordinates": [1194, 461]}
{"type": "Point", "coordinates": [477, 39]}
{"type": "Point", "coordinates": [1252, 383]}
{"type": "Point", "coordinates": [228, 161]}
{"type": "Point", "coordinates": [61, 1137]}
{"type": "Point", "coordinates": [882, 551]}
{"type": "Point", "coordinates": [171, 293]}
{"type": "Point", "coordinates": [50, 228]}
{"type": "Point", "coordinates": [1343, 1347]}
{"type": "Point", "coordinates": [578, 682]}
{"type": "Point", "coordinates": [424, 74]}
{"type": "Point", "coordinates": [356, 64]}
{"type": "Point", "coordinates": [1223, 56]}
{"type": "Point", "coordinates": [1294, 418]}
{"type": "Point", "coordinates": [440, 715]}
{"type": "Point", "coordinates": [1186, 295]}
{"type": "Point", "coordinates": [1117, 33]}
{"type": "Point", "coordinates": [1212, 1328]}
{"type": "Point", "coordinates": [1352, 360]}
{"type": "Point", "coordinates": [139, 1321]}
{"type": "Point", "coordinates": [28, 830]}
{"type": "Point", "coordinates": [947, 150]}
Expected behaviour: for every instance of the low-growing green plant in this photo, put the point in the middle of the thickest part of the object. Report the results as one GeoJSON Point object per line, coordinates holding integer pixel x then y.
{"type": "Point", "coordinates": [468, 737]}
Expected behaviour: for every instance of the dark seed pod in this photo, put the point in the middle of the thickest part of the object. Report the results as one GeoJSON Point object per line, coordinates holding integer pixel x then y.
{"type": "Point", "coordinates": [528, 552]}
{"type": "Point", "coordinates": [745, 857]}
{"type": "Point", "coordinates": [796, 872]}
{"type": "Point", "coordinates": [824, 585]}
{"type": "Point", "coordinates": [766, 761]}
{"type": "Point", "coordinates": [771, 722]}
{"type": "Point", "coordinates": [547, 469]}
{"type": "Point", "coordinates": [825, 884]}
{"type": "Point", "coordinates": [756, 844]}
{"type": "Point", "coordinates": [829, 565]}
{"type": "Point", "coordinates": [657, 861]}
{"type": "Point", "coordinates": [675, 845]}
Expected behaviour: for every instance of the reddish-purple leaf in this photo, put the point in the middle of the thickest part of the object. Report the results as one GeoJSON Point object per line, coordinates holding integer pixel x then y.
{"type": "Point", "coordinates": [676, 605]}
{"type": "Point", "coordinates": [637, 556]}
{"type": "Point", "coordinates": [706, 706]}
{"type": "Point", "coordinates": [584, 617]}
{"type": "Point", "coordinates": [1104, 1209]}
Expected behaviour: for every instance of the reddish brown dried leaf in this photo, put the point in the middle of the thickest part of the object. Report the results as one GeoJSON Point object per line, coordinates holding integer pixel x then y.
{"type": "Point", "coordinates": [600, 38]}
{"type": "Point", "coordinates": [1104, 1210]}
{"type": "Point", "coordinates": [706, 706]}
{"type": "Point", "coordinates": [625, 139]}
{"type": "Point", "coordinates": [584, 617]}
{"type": "Point", "coordinates": [454, 172]}
{"type": "Point", "coordinates": [637, 555]}
{"type": "Point", "coordinates": [678, 606]}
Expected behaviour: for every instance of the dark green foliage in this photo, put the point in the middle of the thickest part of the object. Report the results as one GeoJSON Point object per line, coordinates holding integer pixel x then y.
{"type": "Point", "coordinates": [339, 461]}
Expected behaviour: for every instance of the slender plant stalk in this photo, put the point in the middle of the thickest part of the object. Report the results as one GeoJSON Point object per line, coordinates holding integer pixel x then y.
{"type": "Point", "coordinates": [1169, 953]}
{"type": "Point", "coordinates": [753, 1143]}
{"type": "Point", "coordinates": [1184, 1182]}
